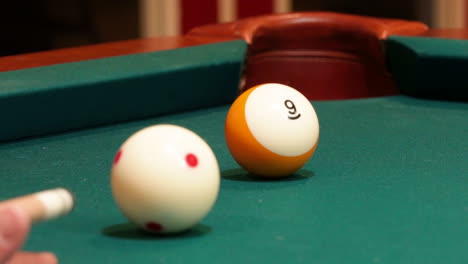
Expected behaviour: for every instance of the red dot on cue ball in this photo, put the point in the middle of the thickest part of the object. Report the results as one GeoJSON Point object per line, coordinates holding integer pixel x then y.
{"type": "Point", "coordinates": [153, 226]}
{"type": "Point", "coordinates": [117, 157]}
{"type": "Point", "coordinates": [191, 160]}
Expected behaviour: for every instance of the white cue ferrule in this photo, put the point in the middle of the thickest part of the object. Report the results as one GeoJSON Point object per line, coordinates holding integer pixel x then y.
{"type": "Point", "coordinates": [56, 202]}
{"type": "Point", "coordinates": [44, 205]}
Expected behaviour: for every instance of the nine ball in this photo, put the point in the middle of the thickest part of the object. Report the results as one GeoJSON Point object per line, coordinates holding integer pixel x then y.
{"type": "Point", "coordinates": [272, 130]}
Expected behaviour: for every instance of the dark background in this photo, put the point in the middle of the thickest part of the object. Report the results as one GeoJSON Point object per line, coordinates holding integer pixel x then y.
{"type": "Point", "coordinates": [28, 26]}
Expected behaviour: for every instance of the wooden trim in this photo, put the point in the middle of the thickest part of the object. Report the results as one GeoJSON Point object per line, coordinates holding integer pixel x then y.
{"type": "Point", "coordinates": [109, 49]}
{"type": "Point", "coordinates": [450, 33]}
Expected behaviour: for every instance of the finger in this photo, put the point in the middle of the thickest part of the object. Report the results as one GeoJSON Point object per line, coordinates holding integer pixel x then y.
{"type": "Point", "coordinates": [14, 227]}
{"type": "Point", "coordinates": [33, 258]}
{"type": "Point", "coordinates": [43, 205]}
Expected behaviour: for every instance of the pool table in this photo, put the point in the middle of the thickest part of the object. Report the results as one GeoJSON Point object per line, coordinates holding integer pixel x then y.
{"type": "Point", "coordinates": [388, 182]}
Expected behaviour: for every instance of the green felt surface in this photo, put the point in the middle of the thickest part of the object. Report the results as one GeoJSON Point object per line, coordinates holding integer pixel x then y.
{"type": "Point", "coordinates": [429, 67]}
{"type": "Point", "coordinates": [68, 96]}
{"type": "Point", "coordinates": [388, 184]}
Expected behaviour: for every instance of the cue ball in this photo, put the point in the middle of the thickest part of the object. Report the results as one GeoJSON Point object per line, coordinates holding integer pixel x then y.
{"type": "Point", "coordinates": [165, 178]}
{"type": "Point", "coordinates": [272, 130]}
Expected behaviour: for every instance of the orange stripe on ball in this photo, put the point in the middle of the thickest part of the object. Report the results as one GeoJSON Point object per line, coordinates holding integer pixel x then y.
{"type": "Point", "coordinates": [249, 153]}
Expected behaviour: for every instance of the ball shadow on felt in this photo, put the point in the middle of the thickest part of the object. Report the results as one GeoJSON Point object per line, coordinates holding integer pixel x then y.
{"type": "Point", "coordinates": [239, 174]}
{"type": "Point", "coordinates": [132, 232]}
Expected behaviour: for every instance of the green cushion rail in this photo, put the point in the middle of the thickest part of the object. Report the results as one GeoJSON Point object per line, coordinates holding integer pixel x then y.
{"type": "Point", "coordinates": [83, 94]}
{"type": "Point", "coordinates": [429, 67]}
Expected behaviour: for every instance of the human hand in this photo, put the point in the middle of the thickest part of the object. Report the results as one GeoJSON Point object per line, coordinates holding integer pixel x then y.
{"type": "Point", "coordinates": [14, 228]}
